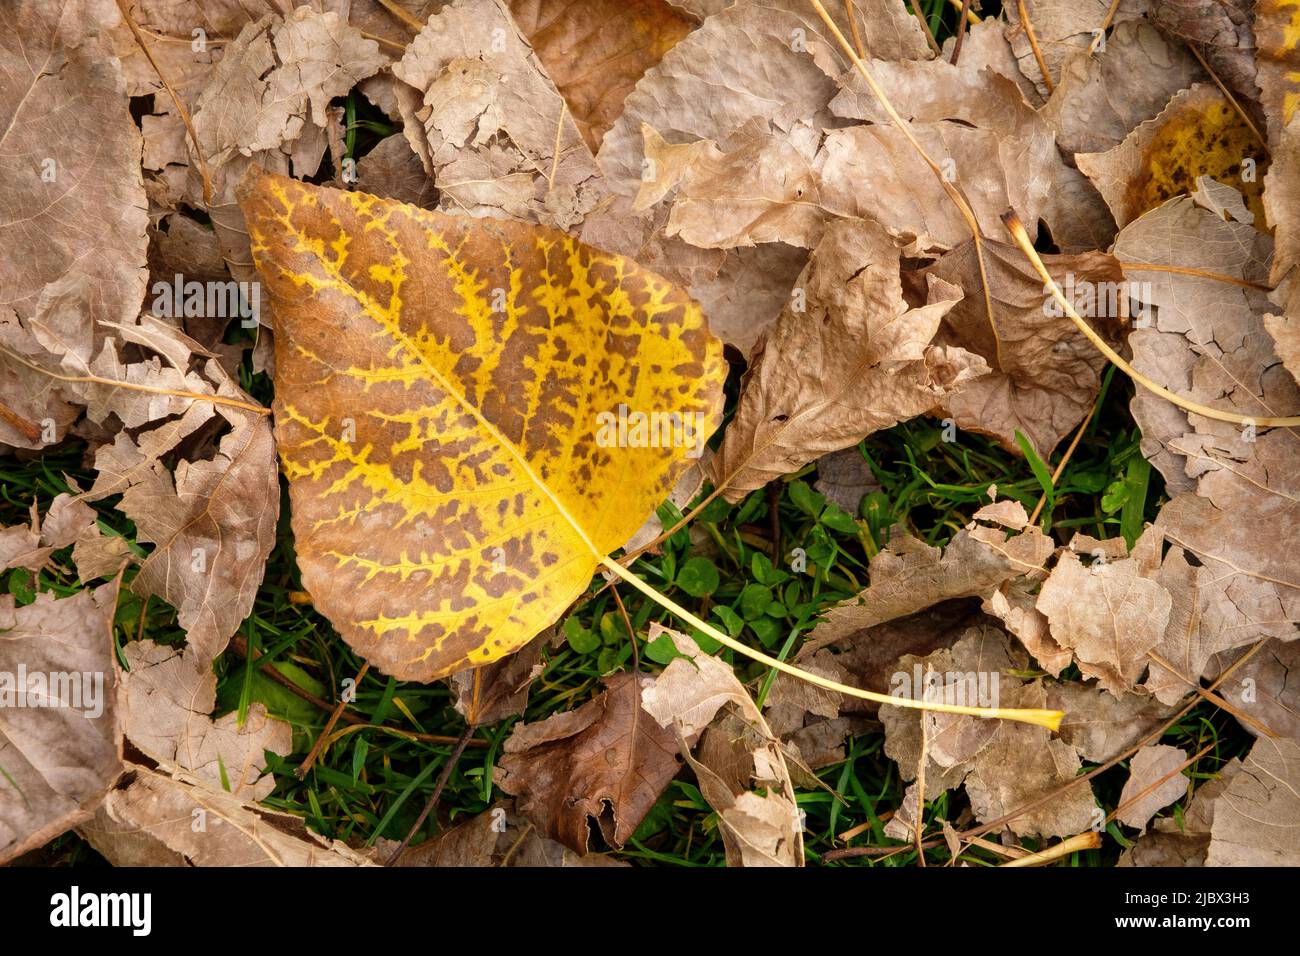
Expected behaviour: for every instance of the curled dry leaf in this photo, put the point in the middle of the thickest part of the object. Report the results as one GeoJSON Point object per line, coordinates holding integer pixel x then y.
{"type": "Point", "coordinates": [1221, 30]}
{"type": "Point", "coordinates": [846, 358]}
{"type": "Point", "coordinates": [1173, 842]}
{"type": "Point", "coordinates": [1045, 374]}
{"type": "Point", "coordinates": [1002, 768]}
{"type": "Point", "coordinates": [987, 140]}
{"type": "Point", "coordinates": [1101, 725]}
{"type": "Point", "coordinates": [473, 502]}
{"type": "Point", "coordinates": [605, 763]}
{"type": "Point", "coordinates": [738, 755]}
{"type": "Point", "coordinates": [166, 699]}
{"type": "Point", "coordinates": [61, 737]}
{"type": "Point", "coordinates": [265, 106]}
{"type": "Point", "coordinates": [156, 820]}
{"type": "Point", "coordinates": [1198, 133]}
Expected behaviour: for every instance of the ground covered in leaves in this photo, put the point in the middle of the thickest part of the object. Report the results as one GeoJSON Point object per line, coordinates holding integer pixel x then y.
{"type": "Point", "coordinates": [926, 479]}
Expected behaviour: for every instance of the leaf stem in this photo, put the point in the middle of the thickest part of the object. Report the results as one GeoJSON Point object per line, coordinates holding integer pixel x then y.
{"type": "Point", "coordinates": [1051, 719]}
{"type": "Point", "coordinates": [1017, 230]}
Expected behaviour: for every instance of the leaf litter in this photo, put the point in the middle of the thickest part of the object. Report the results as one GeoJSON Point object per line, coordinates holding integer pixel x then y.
{"type": "Point", "coordinates": [482, 237]}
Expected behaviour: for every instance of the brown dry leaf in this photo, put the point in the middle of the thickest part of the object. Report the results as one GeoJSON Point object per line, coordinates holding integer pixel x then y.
{"type": "Point", "coordinates": [212, 523]}
{"type": "Point", "coordinates": [1046, 375]}
{"type": "Point", "coordinates": [489, 694]}
{"type": "Point", "coordinates": [58, 759]}
{"type": "Point", "coordinates": [854, 359]}
{"type": "Point", "coordinates": [761, 189]}
{"type": "Point", "coordinates": [1062, 27]}
{"type": "Point", "coordinates": [1257, 818]}
{"type": "Point", "coordinates": [73, 218]}
{"type": "Point", "coordinates": [1004, 765]}
{"type": "Point", "coordinates": [498, 837]}
{"type": "Point", "coordinates": [1197, 134]}
{"type": "Point", "coordinates": [486, 120]}
{"type": "Point", "coordinates": [813, 721]}
{"type": "Point", "coordinates": [1099, 99]}
{"type": "Point", "coordinates": [265, 106]}
{"type": "Point", "coordinates": [1109, 614]}
{"type": "Point", "coordinates": [393, 170]}
{"type": "Point", "coordinates": [165, 701]}
{"type": "Point", "coordinates": [605, 763]}
{"type": "Point", "coordinates": [737, 755]}
{"type": "Point", "coordinates": [1279, 73]}
{"type": "Point", "coordinates": [1022, 764]}
{"type": "Point", "coordinates": [909, 576]}
{"type": "Point", "coordinates": [986, 47]}
{"type": "Point", "coordinates": [1149, 765]}
{"type": "Point", "coordinates": [156, 820]}
{"type": "Point", "coordinates": [739, 67]}
{"type": "Point", "coordinates": [596, 50]}
{"type": "Point", "coordinates": [988, 141]}
{"type": "Point", "coordinates": [1201, 336]}
{"type": "Point", "coordinates": [1100, 725]}
{"type": "Point", "coordinates": [1167, 843]}
{"type": "Point", "coordinates": [1265, 689]}
{"type": "Point", "coordinates": [844, 477]}
{"type": "Point", "coordinates": [1221, 30]}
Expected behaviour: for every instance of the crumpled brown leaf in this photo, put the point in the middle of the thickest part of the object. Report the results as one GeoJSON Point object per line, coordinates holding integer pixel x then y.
{"type": "Point", "coordinates": [1100, 725]}
{"type": "Point", "coordinates": [605, 763]}
{"type": "Point", "coordinates": [761, 189]}
{"type": "Point", "coordinates": [58, 760]}
{"type": "Point", "coordinates": [166, 699]}
{"type": "Point", "coordinates": [1166, 843]}
{"type": "Point", "coordinates": [265, 105]}
{"type": "Point", "coordinates": [488, 694]}
{"type": "Point", "coordinates": [1062, 27]}
{"type": "Point", "coordinates": [1221, 29]}
{"type": "Point", "coordinates": [212, 522]}
{"type": "Point", "coordinates": [854, 360]}
{"type": "Point", "coordinates": [989, 141]}
{"type": "Point", "coordinates": [1004, 765]}
{"type": "Point", "coordinates": [73, 216]}
{"type": "Point", "coordinates": [1110, 614]}
{"type": "Point", "coordinates": [700, 696]}
{"type": "Point", "coordinates": [1045, 374]}
{"type": "Point", "coordinates": [156, 820]}
{"type": "Point", "coordinates": [486, 120]}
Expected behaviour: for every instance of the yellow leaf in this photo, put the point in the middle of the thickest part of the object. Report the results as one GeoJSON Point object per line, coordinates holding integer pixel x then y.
{"type": "Point", "coordinates": [457, 410]}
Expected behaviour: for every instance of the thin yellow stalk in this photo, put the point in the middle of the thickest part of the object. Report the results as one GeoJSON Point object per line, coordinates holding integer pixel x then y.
{"type": "Point", "coordinates": [1050, 719]}
{"type": "Point", "coordinates": [1081, 841]}
{"type": "Point", "coordinates": [1017, 230]}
